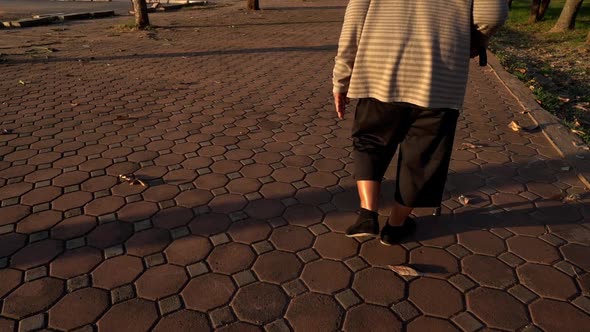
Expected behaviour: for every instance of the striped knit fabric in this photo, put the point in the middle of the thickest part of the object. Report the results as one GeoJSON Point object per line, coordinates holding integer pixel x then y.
{"type": "Point", "coordinates": [414, 51]}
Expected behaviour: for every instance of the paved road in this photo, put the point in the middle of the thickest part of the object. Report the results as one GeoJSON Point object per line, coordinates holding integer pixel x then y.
{"type": "Point", "coordinates": [226, 115]}
{"type": "Point", "coordinates": [13, 9]}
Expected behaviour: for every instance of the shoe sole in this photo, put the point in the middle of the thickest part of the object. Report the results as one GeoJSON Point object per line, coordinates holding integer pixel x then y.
{"type": "Point", "coordinates": [361, 235]}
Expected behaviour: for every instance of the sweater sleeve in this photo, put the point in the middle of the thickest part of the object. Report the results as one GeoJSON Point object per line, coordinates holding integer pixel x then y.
{"type": "Point", "coordinates": [354, 19]}
{"type": "Point", "coordinates": [489, 16]}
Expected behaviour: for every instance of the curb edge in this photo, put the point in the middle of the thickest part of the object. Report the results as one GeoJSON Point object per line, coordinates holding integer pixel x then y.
{"type": "Point", "coordinates": [559, 136]}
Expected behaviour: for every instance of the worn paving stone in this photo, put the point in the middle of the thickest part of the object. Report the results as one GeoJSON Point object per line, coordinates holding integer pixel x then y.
{"type": "Point", "coordinates": [208, 291]}
{"type": "Point", "coordinates": [78, 308]}
{"type": "Point", "coordinates": [32, 297]}
{"type": "Point", "coordinates": [259, 303]}
{"type": "Point", "coordinates": [359, 317]}
{"type": "Point", "coordinates": [390, 290]}
{"type": "Point", "coordinates": [126, 268]}
{"type": "Point", "coordinates": [133, 315]}
{"type": "Point", "coordinates": [426, 292]}
{"type": "Point", "coordinates": [497, 309]}
{"type": "Point", "coordinates": [314, 312]}
{"type": "Point", "coordinates": [183, 320]}
{"type": "Point", "coordinates": [160, 281]}
{"type": "Point", "coordinates": [277, 266]}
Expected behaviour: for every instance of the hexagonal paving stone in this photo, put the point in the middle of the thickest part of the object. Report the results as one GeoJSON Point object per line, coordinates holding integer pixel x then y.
{"type": "Point", "coordinates": [137, 211]}
{"type": "Point", "coordinates": [10, 279]}
{"type": "Point", "coordinates": [173, 217]}
{"type": "Point", "coordinates": [108, 235]}
{"type": "Point", "coordinates": [439, 260]}
{"type": "Point", "coordinates": [70, 178]}
{"type": "Point", "coordinates": [99, 183]}
{"type": "Point", "coordinates": [40, 195]}
{"type": "Point", "coordinates": [188, 250]}
{"type": "Point", "coordinates": [263, 209]}
{"type": "Point", "coordinates": [533, 249]}
{"type": "Point", "coordinates": [240, 327]}
{"type": "Point", "coordinates": [259, 303]}
{"type": "Point", "coordinates": [326, 276]}
{"type": "Point", "coordinates": [78, 308]}
{"type": "Point", "coordinates": [160, 281]}
{"type": "Point", "coordinates": [32, 297]}
{"type": "Point", "coordinates": [228, 203]}
{"type": "Point", "coordinates": [36, 254]}
{"type": "Point", "coordinates": [249, 231]}
{"type": "Point", "coordinates": [231, 258]}
{"type": "Point", "coordinates": [336, 246]}
{"type": "Point", "coordinates": [391, 287]}
{"type": "Point", "coordinates": [547, 281]}
{"type": "Point", "coordinates": [209, 224]}
{"type": "Point", "coordinates": [104, 205]}
{"type": "Point", "coordinates": [211, 181]}
{"type": "Point", "coordinates": [488, 271]}
{"type": "Point", "coordinates": [291, 238]}
{"type": "Point", "coordinates": [552, 315]}
{"type": "Point", "coordinates": [183, 320]}
{"type": "Point", "coordinates": [497, 309]}
{"type": "Point", "coordinates": [193, 198]}
{"type": "Point", "coordinates": [117, 271]}
{"type": "Point", "coordinates": [277, 190]}
{"type": "Point", "coordinates": [482, 242]}
{"type": "Point", "coordinates": [208, 291]}
{"type": "Point", "coordinates": [256, 171]}
{"type": "Point", "coordinates": [243, 186]}
{"type": "Point", "coordinates": [11, 243]}
{"type": "Point", "coordinates": [148, 242]}
{"type": "Point", "coordinates": [303, 215]}
{"type": "Point", "coordinates": [425, 323]}
{"type": "Point", "coordinates": [277, 266]}
{"type": "Point", "coordinates": [14, 190]}
{"type": "Point", "coordinates": [377, 318]}
{"type": "Point", "coordinates": [133, 315]}
{"type": "Point", "coordinates": [71, 200]}
{"type": "Point", "coordinates": [377, 254]}
{"type": "Point", "coordinates": [314, 312]}
{"type": "Point", "coordinates": [321, 179]}
{"type": "Point", "coordinates": [7, 325]}
{"type": "Point", "coordinates": [426, 294]}
{"type": "Point", "coordinates": [577, 254]}
{"type": "Point", "coordinates": [288, 174]}
{"type": "Point", "coordinates": [160, 193]}
{"type": "Point", "coordinates": [38, 222]}
{"type": "Point", "coordinates": [73, 227]}
{"type": "Point", "coordinates": [75, 262]}
{"type": "Point", "coordinates": [572, 233]}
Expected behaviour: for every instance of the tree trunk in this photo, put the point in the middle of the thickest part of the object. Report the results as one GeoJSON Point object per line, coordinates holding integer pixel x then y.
{"type": "Point", "coordinates": [538, 10]}
{"type": "Point", "coordinates": [141, 14]}
{"type": "Point", "coordinates": [543, 9]}
{"type": "Point", "coordinates": [567, 18]}
{"type": "Point", "coordinates": [534, 15]}
{"type": "Point", "coordinates": [253, 5]}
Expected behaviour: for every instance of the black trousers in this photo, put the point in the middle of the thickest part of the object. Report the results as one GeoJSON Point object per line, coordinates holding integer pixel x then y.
{"type": "Point", "coordinates": [425, 137]}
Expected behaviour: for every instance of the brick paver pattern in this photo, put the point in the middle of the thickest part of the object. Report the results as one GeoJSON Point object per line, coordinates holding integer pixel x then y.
{"type": "Point", "coordinates": [226, 115]}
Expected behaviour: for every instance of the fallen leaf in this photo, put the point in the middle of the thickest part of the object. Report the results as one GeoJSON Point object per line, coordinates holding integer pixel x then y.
{"type": "Point", "coordinates": [521, 70]}
{"type": "Point", "coordinates": [131, 179]}
{"type": "Point", "coordinates": [579, 132]}
{"type": "Point", "coordinates": [580, 145]}
{"type": "Point", "coordinates": [73, 104]}
{"type": "Point", "coordinates": [404, 270]}
{"type": "Point", "coordinates": [580, 107]}
{"type": "Point", "coordinates": [21, 82]}
{"type": "Point", "coordinates": [563, 99]}
{"type": "Point", "coordinates": [464, 200]}
{"type": "Point", "coordinates": [572, 198]}
{"type": "Point", "coordinates": [470, 146]}
{"type": "Point", "coordinates": [514, 126]}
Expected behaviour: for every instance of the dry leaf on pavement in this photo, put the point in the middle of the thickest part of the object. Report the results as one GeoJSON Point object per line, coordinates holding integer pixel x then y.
{"type": "Point", "coordinates": [470, 146]}
{"type": "Point", "coordinates": [131, 179]}
{"type": "Point", "coordinates": [404, 270]}
{"type": "Point", "coordinates": [514, 126]}
{"type": "Point", "coordinates": [572, 198]}
{"type": "Point", "coordinates": [464, 200]}
{"type": "Point", "coordinates": [580, 145]}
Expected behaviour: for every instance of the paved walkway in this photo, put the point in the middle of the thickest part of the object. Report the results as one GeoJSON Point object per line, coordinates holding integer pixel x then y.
{"type": "Point", "coordinates": [227, 117]}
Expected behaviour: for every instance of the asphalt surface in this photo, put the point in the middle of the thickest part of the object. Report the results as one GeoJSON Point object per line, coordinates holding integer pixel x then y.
{"type": "Point", "coordinates": [15, 9]}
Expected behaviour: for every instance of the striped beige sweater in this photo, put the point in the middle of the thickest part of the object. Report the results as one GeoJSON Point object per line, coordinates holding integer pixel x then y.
{"type": "Point", "coordinates": [414, 51]}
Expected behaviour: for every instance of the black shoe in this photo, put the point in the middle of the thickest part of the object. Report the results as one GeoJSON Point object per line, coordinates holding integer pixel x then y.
{"type": "Point", "coordinates": [391, 235]}
{"type": "Point", "coordinates": [367, 224]}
